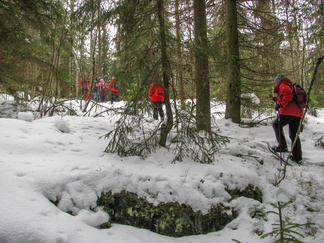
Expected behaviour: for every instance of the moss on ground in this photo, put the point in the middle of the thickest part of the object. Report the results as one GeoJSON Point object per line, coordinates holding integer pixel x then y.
{"type": "Point", "coordinates": [250, 192]}
{"type": "Point", "coordinates": [172, 219]}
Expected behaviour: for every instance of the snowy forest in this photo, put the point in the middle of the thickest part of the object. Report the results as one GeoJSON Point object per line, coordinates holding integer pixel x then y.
{"type": "Point", "coordinates": [203, 50]}
{"type": "Point", "coordinates": [79, 170]}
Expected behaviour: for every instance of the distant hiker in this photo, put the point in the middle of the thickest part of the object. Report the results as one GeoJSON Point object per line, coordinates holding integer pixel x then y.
{"type": "Point", "coordinates": [156, 93]}
{"type": "Point", "coordinates": [103, 88]}
{"type": "Point", "coordinates": [288, 113]}
{"type": "Point", "coordinates": [85, 88]}
{"type": "Point", "coordinates": [114, 90]}
{"type": "Point", "coordinates": [95, 90]}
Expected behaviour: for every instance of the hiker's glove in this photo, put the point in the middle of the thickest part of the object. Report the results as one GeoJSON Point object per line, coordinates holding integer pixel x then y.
{"type": "Point", "coordinates": [277, 107]}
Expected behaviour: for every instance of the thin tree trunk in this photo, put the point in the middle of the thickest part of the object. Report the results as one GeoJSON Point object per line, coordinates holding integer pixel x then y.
{"type": "Point", "coordinates": [179, 55]}
{"type": "Point", "coordinates": [165, 129]}
{"type": "Point", "coordinates": [99, 45]}
{"type": "Point", "coordinates": [57, 66]}
{"type": "Point", "coordinates": [71, 32]}
{"type": "Point", "coordinates": [291, 40]}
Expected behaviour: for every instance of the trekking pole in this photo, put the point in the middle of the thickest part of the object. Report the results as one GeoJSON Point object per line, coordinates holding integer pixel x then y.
{"type": "Point", "coordinates": [278, 116]}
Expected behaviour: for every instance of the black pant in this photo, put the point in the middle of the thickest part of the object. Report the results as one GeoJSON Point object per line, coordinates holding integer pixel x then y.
{"type": "Point", "coordinates": [114, 96]}
{"type": "Point", "coordinates": [157, 108]}
{"type": "Point", "coordinates": [293, 121]}
{"type": "Point", "coordinates": [84, 93]}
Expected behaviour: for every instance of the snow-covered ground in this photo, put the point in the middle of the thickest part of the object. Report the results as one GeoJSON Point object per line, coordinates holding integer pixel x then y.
{"type": "Point", "coordinates": [61, 159]}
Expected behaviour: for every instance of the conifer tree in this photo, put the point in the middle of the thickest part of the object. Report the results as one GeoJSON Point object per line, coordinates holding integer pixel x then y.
{"type": "Point", "coordinates": [23, 25]}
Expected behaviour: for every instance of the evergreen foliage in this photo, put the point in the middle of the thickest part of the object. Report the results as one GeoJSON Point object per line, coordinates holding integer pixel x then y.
{"type": "Point", "coordinates": [190, 142]}
{"type": "Point", "coordinates": [136, 135]}
{"type": "Point", "coordinates": [132, 136]}
{"type": "Point", "coordinates": [285, 231]}
{"type": "Point", "coordinates": [22, 25]}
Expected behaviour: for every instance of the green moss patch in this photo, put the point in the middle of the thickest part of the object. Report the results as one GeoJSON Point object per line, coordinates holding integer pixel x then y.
{"type": "Point", "coordinates": [171, 219]}
{"type": "Point", "coordinates": [249, 192]}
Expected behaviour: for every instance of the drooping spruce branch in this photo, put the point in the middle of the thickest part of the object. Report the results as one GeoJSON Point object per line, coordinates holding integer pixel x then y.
{"type": "Point", "coordinates": [133, 134]}
{"type": "Point", "coordinates": [201, 146]}
{"type": "Point", "coordinates": [136, 134]}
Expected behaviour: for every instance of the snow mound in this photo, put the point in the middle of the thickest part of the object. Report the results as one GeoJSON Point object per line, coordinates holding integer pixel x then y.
{"type": "Point", "coordinates": [26, 116]}
{"type": "Point", "coordinates": [94, 219]}
{"type": "Point", "coordinates": [62, 126]}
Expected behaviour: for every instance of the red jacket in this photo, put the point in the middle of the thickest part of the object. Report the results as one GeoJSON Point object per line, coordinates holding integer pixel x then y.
{"type": "Point", "coordinates": [113, 88]}
{"type": "Point", "coordinates": [156, 92]}
{"type": "Point", "coordinates": [284, 99]}
{"type": "Point", "coordinates": [84, 83]}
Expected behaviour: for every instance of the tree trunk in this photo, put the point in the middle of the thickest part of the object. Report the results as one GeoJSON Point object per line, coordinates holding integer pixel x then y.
{"type": "Point", "coordinates": [233, 103]}
{"type": "Point", "coordinates": [179, 55]}
{"type": "Point", "coordinates": [263, 13]}
{"type": "Point", "coordinates": [165, 129]}
{"type": "Point", "coordinates": [71, 56]}
{"type": "Point", "coordinates": [99, 43]}
{"type": "Point", "coordinates": [201, 67]}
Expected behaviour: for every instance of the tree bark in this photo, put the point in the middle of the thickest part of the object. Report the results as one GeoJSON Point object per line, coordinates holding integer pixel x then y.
{"type": "Point", "coordinates": [179, 55]}
{"type": "Point", "coordinates": [233, 103]}
{"type": "Point", "coordinates": [99, 42]}
{"type": "Point", "coordinates": [166, 70]}
{"type": "Point", "coordinates": [201, 67]}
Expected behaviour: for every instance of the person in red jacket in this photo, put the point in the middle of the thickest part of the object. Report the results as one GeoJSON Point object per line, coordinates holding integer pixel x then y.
{"type": "Point", "coordinates": [85, 87]}
{"type": "Point", "coordinates": [156, 93]}
{"type": "Point", "coordinates": [289, 113]}
{"type": "Point", "coordinates": [114, 90]}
